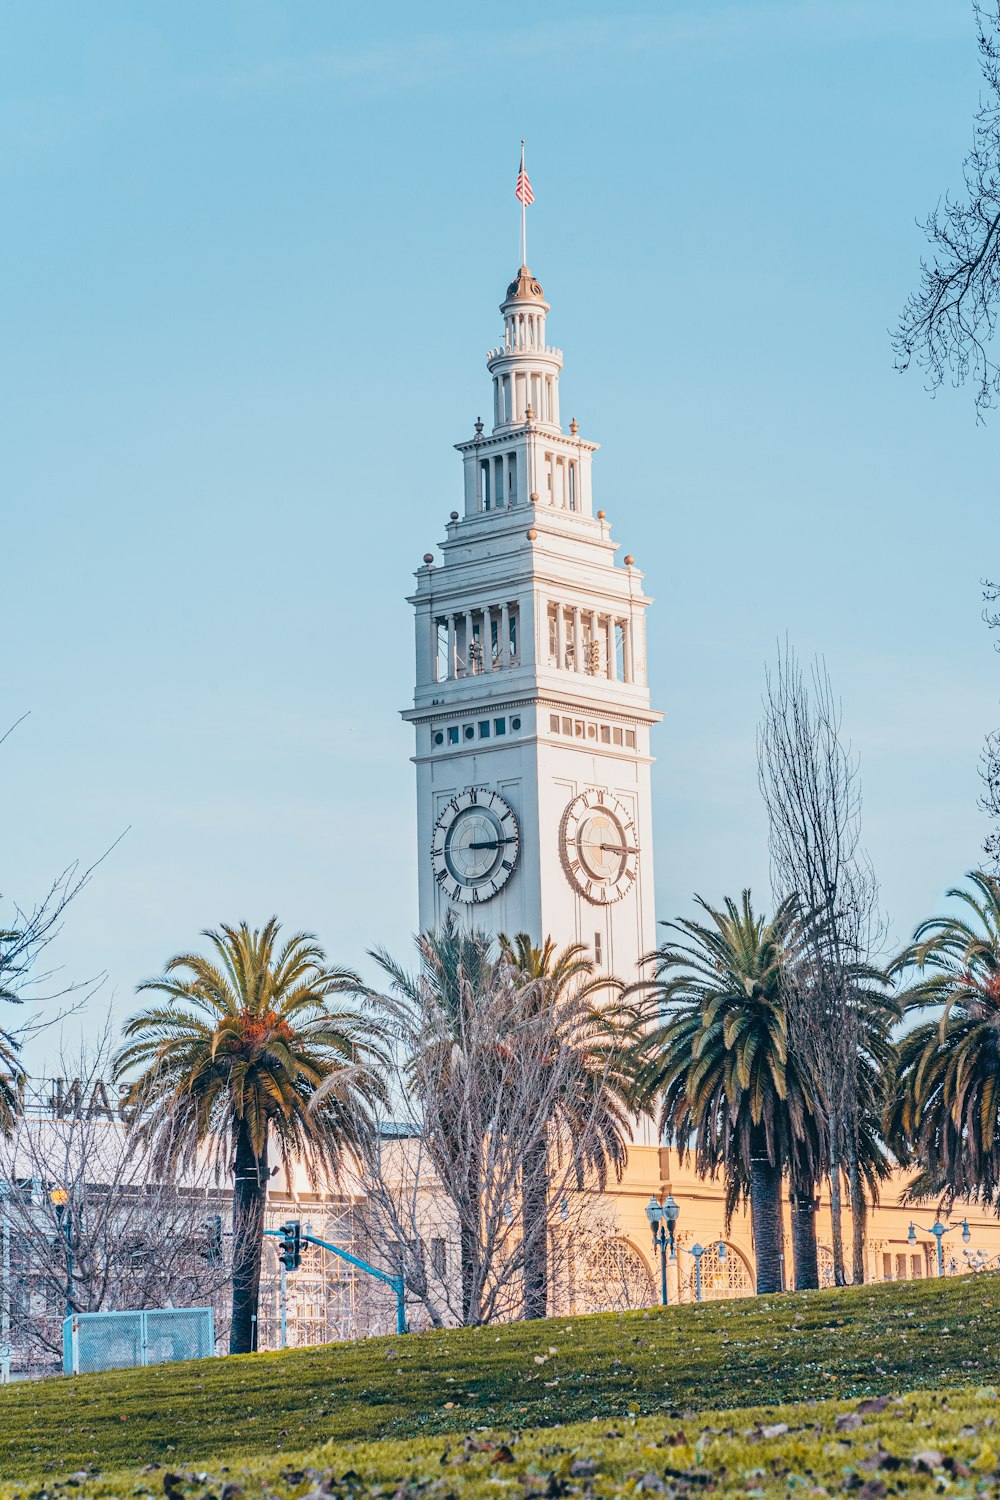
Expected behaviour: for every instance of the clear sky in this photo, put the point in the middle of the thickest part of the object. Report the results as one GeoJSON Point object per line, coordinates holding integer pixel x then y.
{"type": "Point", "coordinates": [251, 259]}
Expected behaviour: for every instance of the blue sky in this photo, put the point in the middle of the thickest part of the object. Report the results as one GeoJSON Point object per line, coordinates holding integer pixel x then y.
{"type": "Point", "coordinates": [252, 255]}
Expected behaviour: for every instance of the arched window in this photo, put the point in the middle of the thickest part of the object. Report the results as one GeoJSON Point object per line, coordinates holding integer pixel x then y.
{"type": "Point", "coordinates": [720, 1278]}
{"type": "Point", "coordinates": [617, 1278]}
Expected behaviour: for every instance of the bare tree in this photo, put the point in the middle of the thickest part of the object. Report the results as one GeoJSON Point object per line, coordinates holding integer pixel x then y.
{"type": "Point", "coordinates": [947, 327]}
{"type": "Point", "coordinates": [839, 1018]}
{"type": "Point", "coordinates": [482, 1072]}
{"type": "Point", "coordinates": [91, 1225]}
{"type": "Point", "coordinates": [990, 762]}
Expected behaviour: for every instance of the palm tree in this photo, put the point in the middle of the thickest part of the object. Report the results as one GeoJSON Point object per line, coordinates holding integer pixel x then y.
{"type": "Point", "coordinates": [246, 1053]}
{"type": "Point", "coordinates": [946, 1111]}
{"type": "Point", "coordinates": [590, 1111]}
{"type": "Point", "coordinates": [717, 1059]}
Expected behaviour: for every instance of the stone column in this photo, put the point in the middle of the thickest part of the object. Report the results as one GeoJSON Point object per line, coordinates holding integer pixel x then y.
{"type": "Point", "coordinates": [560, 638]}
{"type": "Point", "coordinates": [577, 639]}
{"type": "Point", "coordinates": [627, 652]}
{"type": "Point", "coordinates": [595, 636]}
{"type": "Point", "coordinates": [452, 647]}
{"type": "Point", "coordinates": [610, 647]}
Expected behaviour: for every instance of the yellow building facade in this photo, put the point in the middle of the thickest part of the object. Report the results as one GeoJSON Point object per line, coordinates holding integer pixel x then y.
{"type": "Point", "coordinates": [891, 1253]}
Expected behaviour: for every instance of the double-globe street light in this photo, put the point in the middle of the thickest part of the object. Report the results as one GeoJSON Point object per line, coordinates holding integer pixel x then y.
{"type": "Point", "coordinates": [662, 1218]}
{"type": "Point", "coordinates": [662, 1221]}
{"type": "Point", "coordinates": [939, 1230]}
{"type": "Point", "coordinates": [698, 1251]}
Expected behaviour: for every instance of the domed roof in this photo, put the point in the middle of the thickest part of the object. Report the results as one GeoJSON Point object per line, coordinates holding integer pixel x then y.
{"type": "Point", "coordinates": [524, 288]}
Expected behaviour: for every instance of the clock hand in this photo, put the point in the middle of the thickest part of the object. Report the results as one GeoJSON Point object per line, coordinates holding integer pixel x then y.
{"type": "Point", "coordinates": [619, 849]}
{"type": "Point", "coordinates": [493, 844]}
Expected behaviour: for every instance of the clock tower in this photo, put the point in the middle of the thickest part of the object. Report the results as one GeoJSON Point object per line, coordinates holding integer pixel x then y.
{"type": "Point", "coordinates": [531, 708]}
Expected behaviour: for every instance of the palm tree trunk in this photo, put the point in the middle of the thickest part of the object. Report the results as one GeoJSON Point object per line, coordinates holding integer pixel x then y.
{"type": "Point", "coordinates": [859, 1219]}
{"type": "Point", "coordinates": [765, 1219]}
{"type": "Point", "coordinates": [469, 1237]}
{"type": "Point", "coordinates": [249, 1198]}
{"type": "Point", "coordinates": [835, 1139]}
{"type": "Point", "coordinates": [535, 1228]}
{"type": "Point", "coordinates": [804, 1251]}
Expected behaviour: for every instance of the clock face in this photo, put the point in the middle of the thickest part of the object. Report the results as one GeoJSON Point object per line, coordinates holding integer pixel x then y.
{"type": "Point", "coordinates": [599, 846]}
{"type": "Point", "coordinates": [475, 845]}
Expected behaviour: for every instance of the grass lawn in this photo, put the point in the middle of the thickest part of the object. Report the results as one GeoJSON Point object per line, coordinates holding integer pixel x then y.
{"type": "Point", "coordinates": [755, 1353]}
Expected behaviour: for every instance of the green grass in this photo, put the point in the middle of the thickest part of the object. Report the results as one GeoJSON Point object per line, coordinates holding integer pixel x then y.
{"type": "Point", "coordinates": [917, 1445]}
{"type": "Point", "coordinates": [833, 1345]}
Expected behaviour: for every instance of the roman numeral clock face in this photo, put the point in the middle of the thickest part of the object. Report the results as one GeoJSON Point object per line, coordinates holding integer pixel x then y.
{"type": "Point", "coordinates": [475, 845]}
{"type": "Point", "coordinates": [599, 846]}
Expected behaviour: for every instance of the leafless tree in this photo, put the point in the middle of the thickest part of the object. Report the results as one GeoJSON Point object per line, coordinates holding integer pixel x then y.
{"type": "Point", "coordinates": [91, 1225]}
{"type": "Point", "coordinates": [479, 1073]}
{"type": "Point", "coordinates": [990, 762]}
{"type": "Point", "coordinates": [839, 1021]}
{"type": "Point", "coordinates": [947, 326]}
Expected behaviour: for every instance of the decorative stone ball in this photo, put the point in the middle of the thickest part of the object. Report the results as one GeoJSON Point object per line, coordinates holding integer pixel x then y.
{"type": "Point", "coordinates": [532, 535]}
{"type": "Point", "coordinates": [428, 557]}
{"type": "Point", "coordinates": [629, 559]}
{"type": "Point", "coordinates": [454, 515]}
{"type": "Point", "coordinates": [533, 497]}
{"type": "Point", "coordinates": [600, 515]}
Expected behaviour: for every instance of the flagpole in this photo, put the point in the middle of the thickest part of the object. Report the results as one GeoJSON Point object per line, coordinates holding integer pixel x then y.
{"type": "Point", "coordinates": [524, 232]}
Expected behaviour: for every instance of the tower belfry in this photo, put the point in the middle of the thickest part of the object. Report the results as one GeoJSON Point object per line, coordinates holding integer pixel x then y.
{"type": "Point", "coordinates": [531, 706]}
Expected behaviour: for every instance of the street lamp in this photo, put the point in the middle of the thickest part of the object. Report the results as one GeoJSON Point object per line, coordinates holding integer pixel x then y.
{"type": "Point", "coordinates": [662, 1218]}
{"type": "Point", "coordinates": [698, 1250]}
{"type": "Point", "coordinates": [939, 1230]}
{"type": "Point", "coordinates": [59, 1198]}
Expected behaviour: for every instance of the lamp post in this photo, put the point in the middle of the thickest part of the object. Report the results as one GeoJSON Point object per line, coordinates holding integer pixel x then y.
{"type": "Point", "coordinates": [698, 1250]}
{"type": "Point", "coordinates": [59, 1199]}
{"type": "Point", "coordinates": [662, 1218]}
{"type": "Point", "coordinates": [939, 1230]}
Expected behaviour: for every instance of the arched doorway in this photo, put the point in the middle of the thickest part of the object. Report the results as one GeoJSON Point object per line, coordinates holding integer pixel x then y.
{"type": "Point", "coordinates": [617, 1278]}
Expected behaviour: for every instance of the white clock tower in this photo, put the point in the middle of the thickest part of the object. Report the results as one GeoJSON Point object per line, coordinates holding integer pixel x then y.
{"type": "Point", "coordinates": [531, 707]}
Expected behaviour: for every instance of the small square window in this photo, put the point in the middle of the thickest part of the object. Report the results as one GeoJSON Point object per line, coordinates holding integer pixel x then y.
{"type": "Point", "coordinates": [453, 734]}
{"type": "Point", "coordinates": [470, 731]}
{"type": "Point", "coordinates": [618, 736]}
{"type": "Point", "coordinates": [499, 726]}
{"type": "Point", "coordinates": [553, 723]}
{"type": "Point", "coordinates": [630, 738]}
{"type": "Point", "coordinates": [484, 730]}
{"type": "Point", "coordinates": [567, 726]}
{"type": "Point", "coordinates": [598, 950]}
{"type": "Point", "coordinates": [605, 734]}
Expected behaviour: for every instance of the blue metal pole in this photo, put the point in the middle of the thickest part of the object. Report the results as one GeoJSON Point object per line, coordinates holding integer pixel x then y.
{"type": "Point", "coordinates": [396, 1282]}
{"type": "Point", "coordinates": [697, 1277]}
{"type": "Point", "coordinates": [663, 1267]}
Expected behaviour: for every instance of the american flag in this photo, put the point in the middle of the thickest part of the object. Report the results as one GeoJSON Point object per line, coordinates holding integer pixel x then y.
{"type": "Point", "coordinates": [523, 192]}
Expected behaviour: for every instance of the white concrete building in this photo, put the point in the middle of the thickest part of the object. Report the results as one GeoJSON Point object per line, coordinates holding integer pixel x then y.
{"type": "Point", "coordinates": [531, 709]}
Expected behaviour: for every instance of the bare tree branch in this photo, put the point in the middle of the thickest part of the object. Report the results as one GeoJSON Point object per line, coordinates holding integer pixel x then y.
{"type": "Point", "coordinates": [947, 327]}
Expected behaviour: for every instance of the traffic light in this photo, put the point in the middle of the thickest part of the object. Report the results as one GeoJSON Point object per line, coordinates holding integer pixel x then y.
{"type": "Point", "coordinates": [213, 1247]}
{"type": "Point", "coordinates": [290, 1245]}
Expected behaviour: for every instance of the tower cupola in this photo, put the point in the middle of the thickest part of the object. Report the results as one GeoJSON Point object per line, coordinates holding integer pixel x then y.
{"type": "Point", "coordinates": [524, 368]}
